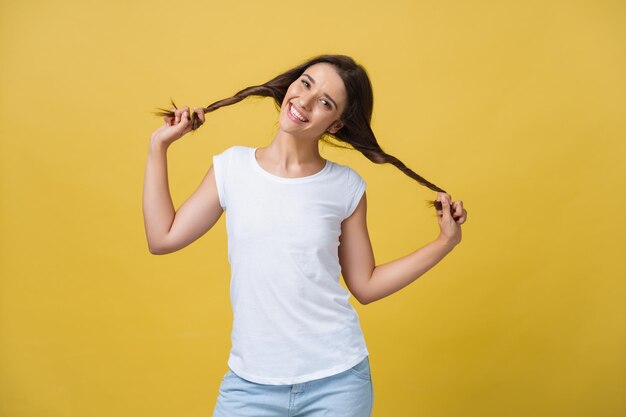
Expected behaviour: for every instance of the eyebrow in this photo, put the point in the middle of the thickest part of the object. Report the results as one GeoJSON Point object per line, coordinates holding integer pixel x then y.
{"type": "Point", "coordinates": [326, 95]}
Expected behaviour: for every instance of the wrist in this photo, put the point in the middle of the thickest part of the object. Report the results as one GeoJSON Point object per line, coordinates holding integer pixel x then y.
{"type": "Point", "coordinates": [445, 242]}
{"type": "Point", "coordinates": [157, 145]}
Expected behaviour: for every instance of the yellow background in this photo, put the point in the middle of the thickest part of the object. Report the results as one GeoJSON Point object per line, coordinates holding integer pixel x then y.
{"type": "Point", "coordinates": [515, 108]}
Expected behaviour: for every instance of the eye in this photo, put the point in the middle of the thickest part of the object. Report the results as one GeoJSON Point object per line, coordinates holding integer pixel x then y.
{"type": "Point", "coordinates": [306, 83]}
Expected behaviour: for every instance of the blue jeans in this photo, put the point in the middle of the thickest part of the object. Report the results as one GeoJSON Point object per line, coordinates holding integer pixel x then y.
{"type": "Point", "coordinates": [346, 394]}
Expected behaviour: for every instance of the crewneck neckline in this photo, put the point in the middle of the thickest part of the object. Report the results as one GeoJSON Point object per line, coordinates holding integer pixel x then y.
{"type": "Point", "coordinates": [292, 180]}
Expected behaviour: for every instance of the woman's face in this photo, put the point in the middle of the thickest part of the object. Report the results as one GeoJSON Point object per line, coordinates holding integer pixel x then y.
{"type": "Point", "coordinates": [319, 97]}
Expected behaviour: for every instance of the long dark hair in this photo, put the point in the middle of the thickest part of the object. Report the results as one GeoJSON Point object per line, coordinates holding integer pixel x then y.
{"type": "Point", "coordinates": [356, 118]}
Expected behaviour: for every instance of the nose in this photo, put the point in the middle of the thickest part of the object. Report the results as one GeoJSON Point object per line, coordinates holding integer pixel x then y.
{"type": "Point", "coordinates": [305, 101]}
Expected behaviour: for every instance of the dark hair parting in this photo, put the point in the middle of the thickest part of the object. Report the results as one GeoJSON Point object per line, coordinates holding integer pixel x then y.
{"type": "Point", "coordinates": [356, 118]}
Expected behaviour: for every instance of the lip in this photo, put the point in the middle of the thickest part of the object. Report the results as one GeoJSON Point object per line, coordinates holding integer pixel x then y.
{"type": "Point", "coordinates": [299, 110]}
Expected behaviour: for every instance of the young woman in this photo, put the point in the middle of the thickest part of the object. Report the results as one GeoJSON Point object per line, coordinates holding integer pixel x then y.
{"type": "Point", "coordinates": [295, 222]}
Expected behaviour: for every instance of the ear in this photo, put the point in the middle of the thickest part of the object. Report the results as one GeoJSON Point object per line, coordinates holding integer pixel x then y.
{"type": "Point", "coordinates": [335, 127]}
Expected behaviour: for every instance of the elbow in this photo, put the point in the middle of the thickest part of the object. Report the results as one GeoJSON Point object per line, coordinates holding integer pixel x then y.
{"type": "Point", "coordinates": [368, 293]}
{"type": "Point", "coordinates": [360, 299]}
{"type": "Point", "coordinates": [160, 245]}
{"type": "Point", "coordinates": [363, 294]}
{"type": "Point", "coordinates": [157, 249]}
{"type": "Point", "coordinates": [364, 300]}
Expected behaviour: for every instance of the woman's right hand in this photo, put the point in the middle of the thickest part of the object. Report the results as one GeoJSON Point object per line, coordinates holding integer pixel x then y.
{"type": "Point", "coordinates": [450, 218]}
{"type": "Point", "coordinates": [176, 127]}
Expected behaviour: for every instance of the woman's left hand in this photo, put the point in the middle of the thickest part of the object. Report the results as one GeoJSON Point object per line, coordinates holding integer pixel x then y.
{"type": "Point", "coordinates": [450, 219]}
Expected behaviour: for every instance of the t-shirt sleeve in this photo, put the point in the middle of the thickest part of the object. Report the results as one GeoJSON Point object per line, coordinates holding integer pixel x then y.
{"type": "Point", "coordinates": [220, 169]}
{"type": "Point", "coordinates": [356, 188]}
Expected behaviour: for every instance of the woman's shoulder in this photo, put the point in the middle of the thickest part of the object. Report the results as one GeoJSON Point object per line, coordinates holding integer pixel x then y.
{"type": "Point", "coordinates": [234, 151]}
{"type": "Point", "coordinates": [237, 149]}
{"type": "Point", "coordinates": [345, 169]}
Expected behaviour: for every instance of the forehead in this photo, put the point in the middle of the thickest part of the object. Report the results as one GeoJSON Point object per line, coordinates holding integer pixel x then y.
{"type": "Point", "coordinates": [327, 80]}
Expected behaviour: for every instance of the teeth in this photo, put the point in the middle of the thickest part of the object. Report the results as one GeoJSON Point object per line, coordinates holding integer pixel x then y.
{"type": "Point", "coordinates": [298, 115]}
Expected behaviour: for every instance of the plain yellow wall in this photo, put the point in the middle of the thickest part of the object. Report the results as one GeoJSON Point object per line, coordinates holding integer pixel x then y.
{"type": "Point", "coordinates": [515, 108]}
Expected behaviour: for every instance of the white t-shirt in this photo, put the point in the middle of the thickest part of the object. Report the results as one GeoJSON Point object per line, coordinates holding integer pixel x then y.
{"type": "Point", "coordinates": [292, 321]}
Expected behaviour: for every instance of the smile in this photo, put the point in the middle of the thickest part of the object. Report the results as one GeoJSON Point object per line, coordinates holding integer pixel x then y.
{"type": "Point", "coordinates": [293, 112]}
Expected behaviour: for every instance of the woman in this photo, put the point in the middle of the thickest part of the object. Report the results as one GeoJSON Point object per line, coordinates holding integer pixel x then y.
{"type": "Point", "coordinates": [295, 223]}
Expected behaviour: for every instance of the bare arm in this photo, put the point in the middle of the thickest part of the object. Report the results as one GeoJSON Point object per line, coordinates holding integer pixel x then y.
{"type": "Point", "coordinates": [395, 275]}
{"type": "Point", "coordinates": [158, 209]}
{"type": "Point", "coordinates": [370, 283]}
{"type": "Point", "coordinates": [168, 230]}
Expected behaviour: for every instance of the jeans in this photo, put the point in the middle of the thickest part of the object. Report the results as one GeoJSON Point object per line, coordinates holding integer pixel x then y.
{"type": "Point", "coordinates": [346, 394]}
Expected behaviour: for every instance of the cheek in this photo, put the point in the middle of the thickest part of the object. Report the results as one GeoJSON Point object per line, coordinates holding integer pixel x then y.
{"type": "Point", "coordinates": [326, 119]}
{"type": "Point", "coordinates": [294, 88]}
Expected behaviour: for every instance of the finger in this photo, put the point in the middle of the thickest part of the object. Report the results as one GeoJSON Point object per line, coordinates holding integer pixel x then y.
{"type": "Point", "coordinates": [184, 118]}
{"type": "Point", "coordinates": [168, 119]}
{"type": "Point", "coordinates": [439, 198]}
{"type": "Point", "coordinates": [462, 218]}
{"type": "Point", "coordinates": [200, 112]}
{"type": "Point", "coordinates": [457, 208]}
{"type": "Point", "coordinates": [445, 206]}
{"type": "Point", "coordinates": [181, 122]}
{"type": "Point", "coordinates": [179, 112]}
